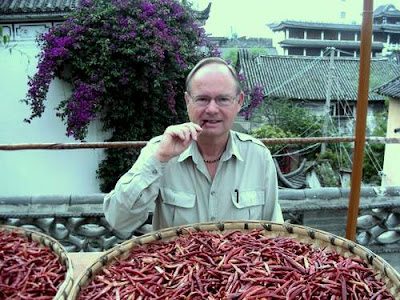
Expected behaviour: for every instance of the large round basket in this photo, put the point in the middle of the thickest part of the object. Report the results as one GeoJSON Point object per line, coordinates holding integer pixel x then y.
{"type": "Point", "coordinates": [49, 242]}
{"type": "Point", "coordinates": [315, 237]}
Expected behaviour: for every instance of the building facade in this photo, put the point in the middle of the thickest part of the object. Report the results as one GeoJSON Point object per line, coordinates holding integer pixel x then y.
{"type": "Point", "coordinates": [40, 172]}
{"type": "Point", "coordinates": [312, 38]}
{"type": "Point", "coordinates": [305, 80]}
{"type": "Point", "coordinates": [391, 174]}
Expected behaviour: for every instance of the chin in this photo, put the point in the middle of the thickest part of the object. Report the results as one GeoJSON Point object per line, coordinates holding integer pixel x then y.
{"type": "Point", "coordinates": [214, 132]}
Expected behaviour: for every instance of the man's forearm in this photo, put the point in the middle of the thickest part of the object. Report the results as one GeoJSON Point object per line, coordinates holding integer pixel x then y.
{"type": "Point", "coordinates": [128, 205]}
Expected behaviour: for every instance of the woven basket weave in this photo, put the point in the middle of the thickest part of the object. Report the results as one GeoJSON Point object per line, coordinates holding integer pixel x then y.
{"type": "Point", "coordinates": [318, 239]}
{"type": "Point", "coordinates": [54, 246]}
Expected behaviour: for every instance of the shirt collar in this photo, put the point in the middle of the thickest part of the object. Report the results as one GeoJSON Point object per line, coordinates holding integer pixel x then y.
{"type": "Point", "coordinates": [193, 151]}
{"type": "Point", "coordinates": [232, 148]}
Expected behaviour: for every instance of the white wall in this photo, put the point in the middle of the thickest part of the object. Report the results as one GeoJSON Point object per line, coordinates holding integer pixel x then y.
{"type": "Point", "coordinates": [39, 172]}
{"type": "Point", "coordinates": [391, 164]}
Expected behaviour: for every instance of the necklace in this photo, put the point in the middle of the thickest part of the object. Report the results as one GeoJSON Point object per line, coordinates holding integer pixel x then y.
{"type": "Point", "coordinates": [211, 161]}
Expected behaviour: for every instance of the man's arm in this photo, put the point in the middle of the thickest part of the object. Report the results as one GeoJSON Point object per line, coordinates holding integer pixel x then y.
{"type": "Point", "coordinates": [127, 207]}
{"type": "Point", "coordinates": [272, 208]}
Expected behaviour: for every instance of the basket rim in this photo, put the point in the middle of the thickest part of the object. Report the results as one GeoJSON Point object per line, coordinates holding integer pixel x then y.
{"type": "Point", "coordinates": [291, 230]}
{"type": "Point", "coordinates": [55, 246]}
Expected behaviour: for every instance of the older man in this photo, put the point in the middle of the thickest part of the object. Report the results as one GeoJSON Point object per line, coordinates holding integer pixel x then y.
{"type": "Point", "coordinates": [202, 170]}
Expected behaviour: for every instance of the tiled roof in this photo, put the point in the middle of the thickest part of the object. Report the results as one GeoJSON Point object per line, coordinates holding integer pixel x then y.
{"type": "Point", "coordinates": [388, 10]}
{"type": "Point", "coordinates": [330, 26]}
{"type": "Point", "coordinates": [36, 9]}
{"type": "Point", "coordinates": [201, 14]}
{"type": "Point", "coordinates": [309, 43]}
{"type": "Point", "coordinates": [302, 77]}
{"type": "Point", "coordinates": [241, 42]}
{"type": "Point", "coordinates": [391, 88]}
{"type": "Point", "coordinates": [57, 9]}
{"type": "Point", "coordinates": [387, 27]}
{"type": "Point", "coordinates": [312, 25]}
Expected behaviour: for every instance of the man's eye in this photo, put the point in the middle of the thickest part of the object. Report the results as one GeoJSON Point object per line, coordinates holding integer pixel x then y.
{"type": "Point", "coordinates": [224, 99]}
{"type": "Point", "coordinates": [202, 99]}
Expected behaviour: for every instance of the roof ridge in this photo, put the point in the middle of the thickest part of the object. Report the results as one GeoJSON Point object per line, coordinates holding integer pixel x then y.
{"type": "Point", "coordinates": [302, 57]}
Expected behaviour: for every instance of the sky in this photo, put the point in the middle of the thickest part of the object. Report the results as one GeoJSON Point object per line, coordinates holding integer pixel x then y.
{"type": "Point", "coordinates": [249, 18]}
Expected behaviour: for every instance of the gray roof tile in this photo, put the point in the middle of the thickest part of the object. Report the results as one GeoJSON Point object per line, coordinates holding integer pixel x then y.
{"type": "Point", "coordinates": [391, 88]}
{"type": "Point", "coordinates": [34, 6]}
{"type": "Point", "coordinates": [386, 10]}
{"type": "Point", "coordinates": [331, 26]}
{"type": "Point", "coordinates": [58, 9]}
{"type": "Point", "coordinates": [327, 43]}
{"type": "Point", "coordinates": [302, 77]}
{"type": "Point", "coordinates": [312, 25]}
{"type": "Point", "coordinates": [36, 9]}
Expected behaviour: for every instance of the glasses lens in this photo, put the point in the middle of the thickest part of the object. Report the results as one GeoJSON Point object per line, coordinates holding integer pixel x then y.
{"type": "Point", "coordinates": [224, 101]}
{"type": "Point", "coordinates": [201, 101]}
{"type": "Point", "coordinates": [219, 100]}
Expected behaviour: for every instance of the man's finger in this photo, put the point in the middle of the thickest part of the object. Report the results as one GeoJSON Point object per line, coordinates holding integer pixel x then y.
{"type": "Point", "coordinates": [192, 131]}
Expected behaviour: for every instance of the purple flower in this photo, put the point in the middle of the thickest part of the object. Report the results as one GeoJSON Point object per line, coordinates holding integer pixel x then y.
{"type": "Point", "coordinates": [256, 98]}
{"type": "Point", "coordinates": [82, 108]}
{"type": "Point", "coordinates": [148, 8]}
{"type": "Point", "coordinates": [112, 51]}
{"type": "Point", "coordinates": [179, 60]}
{"type": "Point", "coordinates": [171, 97]}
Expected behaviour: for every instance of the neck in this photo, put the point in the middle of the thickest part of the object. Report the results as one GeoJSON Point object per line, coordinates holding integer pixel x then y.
{"type": "Point", "coordinates": [212, 148]}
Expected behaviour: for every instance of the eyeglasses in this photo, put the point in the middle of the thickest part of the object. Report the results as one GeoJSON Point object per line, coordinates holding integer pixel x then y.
{"type": "Point", "coordinates": [222, 101]}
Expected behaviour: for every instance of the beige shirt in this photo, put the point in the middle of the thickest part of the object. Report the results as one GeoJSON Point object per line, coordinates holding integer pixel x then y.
{"type": "Point", "coordinates": [244, 187]}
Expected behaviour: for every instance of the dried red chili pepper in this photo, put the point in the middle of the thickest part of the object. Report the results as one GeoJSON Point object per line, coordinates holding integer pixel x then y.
{"type": "Point", "coordinates": [27, 269]}
{"type": "Point", "coordinates": [238, 265]}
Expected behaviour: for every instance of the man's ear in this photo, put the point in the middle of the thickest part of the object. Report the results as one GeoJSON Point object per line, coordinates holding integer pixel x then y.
{"type": "Point", "coordinates": [241, 100]}
{"type": "Point", "coordinates": [187, 98]}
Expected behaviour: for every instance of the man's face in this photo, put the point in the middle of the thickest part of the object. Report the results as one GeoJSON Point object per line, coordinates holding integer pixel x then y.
{"type": "Point", "coordinates": [213, 81]}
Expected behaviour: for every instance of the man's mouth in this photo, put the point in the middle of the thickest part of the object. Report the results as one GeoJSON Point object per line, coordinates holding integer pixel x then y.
{"type": "Point", "coordinates": [204, 122]}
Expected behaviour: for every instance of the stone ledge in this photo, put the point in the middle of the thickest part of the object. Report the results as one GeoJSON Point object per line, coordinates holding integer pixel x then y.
{"type": "Point", "coordinates": [291, 194]}
{"type": "Point", "coordinates": [327, 193]}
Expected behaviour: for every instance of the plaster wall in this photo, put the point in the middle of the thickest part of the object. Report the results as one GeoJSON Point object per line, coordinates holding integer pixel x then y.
{"type": "Point", "coordinates": [39, 172]}
{"type": "Point", "coordinates": [391, 165]}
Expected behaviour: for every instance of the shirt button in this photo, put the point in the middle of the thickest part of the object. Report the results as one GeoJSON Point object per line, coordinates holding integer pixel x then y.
{"type": "Point", "coordinates": [155, 172]}
{"type": "Point", "coordinates": [212, 193]}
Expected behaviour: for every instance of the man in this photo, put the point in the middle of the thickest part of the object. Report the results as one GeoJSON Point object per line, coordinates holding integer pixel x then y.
{"type": "Point", "coordinates": [199, 171]}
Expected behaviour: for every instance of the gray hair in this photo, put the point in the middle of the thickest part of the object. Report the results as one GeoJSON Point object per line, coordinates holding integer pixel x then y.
{"type": "Point", "coordinates": [209, 61]}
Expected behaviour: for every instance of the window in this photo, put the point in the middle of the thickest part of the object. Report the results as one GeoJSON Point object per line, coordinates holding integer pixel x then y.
{"type": "Point", "coordinates": [295, 51]}
{"type": "Point", "coordinates": [314, 34]}
{"type": "Point", "coordinates": [343, 15]}
{"type": "Point", "coordinates": [348, 36]}
{"type": "Point", "coordinates": [331, 35]}
{"type": "Point", "coordinates": [342, 109]}
{"type": "Point", "coordinates": [313, 52]}
{"type": "Point", "coordinates": [296, 33]}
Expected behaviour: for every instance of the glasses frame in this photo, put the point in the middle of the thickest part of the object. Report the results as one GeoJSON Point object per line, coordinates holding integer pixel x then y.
{"type": "Point", "coordinates": [216, 100]}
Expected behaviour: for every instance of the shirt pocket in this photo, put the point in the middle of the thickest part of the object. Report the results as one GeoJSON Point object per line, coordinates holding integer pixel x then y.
{"type": "Point", "coordinates": [248, 204]}
{"type": "Point", "coordinates": [178, 206]}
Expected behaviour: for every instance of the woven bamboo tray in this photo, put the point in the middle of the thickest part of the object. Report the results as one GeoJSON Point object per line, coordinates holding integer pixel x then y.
{"type": "Point", "coordinates": [318, 238]}
{"type": "Point", "coordinates": [57, 248]}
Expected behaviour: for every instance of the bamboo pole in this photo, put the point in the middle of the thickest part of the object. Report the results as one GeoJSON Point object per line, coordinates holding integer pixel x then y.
{"type": "Point", "coordinates": [361, 117]}
{"type": "Point", "coordinates": [140, 144]}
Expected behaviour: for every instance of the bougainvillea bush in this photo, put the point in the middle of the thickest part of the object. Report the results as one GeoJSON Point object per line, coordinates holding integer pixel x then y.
{"type": "Point", "coordinates": [126, 61]}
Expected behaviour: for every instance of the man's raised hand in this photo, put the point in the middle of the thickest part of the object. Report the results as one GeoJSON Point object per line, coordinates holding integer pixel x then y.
{"type": "Point", "coordinates": [176, 139]}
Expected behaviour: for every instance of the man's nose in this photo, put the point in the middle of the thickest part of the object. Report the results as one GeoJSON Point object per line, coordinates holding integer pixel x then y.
{"type": "Point", "coordinates": [212, 106]}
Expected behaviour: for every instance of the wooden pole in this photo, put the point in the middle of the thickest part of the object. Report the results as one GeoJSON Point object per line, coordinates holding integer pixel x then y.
{"type": "Point", "coordinates": [141, 144]}
{"type": "Point", "coordinates": [361, 118]}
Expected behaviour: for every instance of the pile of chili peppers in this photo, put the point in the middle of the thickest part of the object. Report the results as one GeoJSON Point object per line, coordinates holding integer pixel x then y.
{"type": "Point", "coordinates": [237, 265]}
{"type": "Point", "coordinates": [28, 270]}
